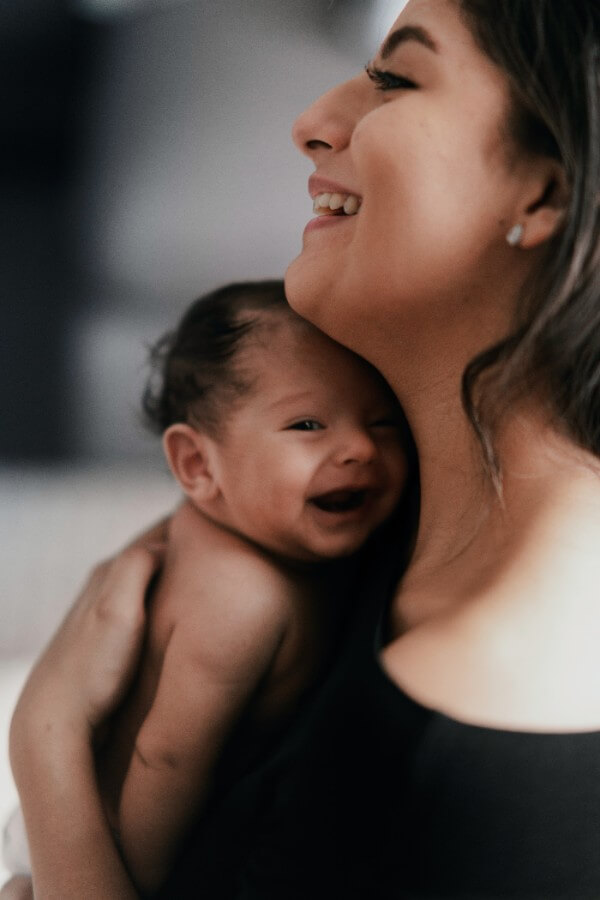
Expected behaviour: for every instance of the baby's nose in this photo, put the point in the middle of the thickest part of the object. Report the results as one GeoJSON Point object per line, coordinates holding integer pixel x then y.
{"type": "Point", "coordinates": [357, 446]}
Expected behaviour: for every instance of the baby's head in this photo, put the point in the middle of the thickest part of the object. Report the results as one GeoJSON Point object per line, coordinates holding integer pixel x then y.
{"type": "Point", "coordinates": [272, 429]}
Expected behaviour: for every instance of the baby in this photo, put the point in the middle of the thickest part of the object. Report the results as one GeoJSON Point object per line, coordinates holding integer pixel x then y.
{"type": "Point", "coordinates": [290, 450]}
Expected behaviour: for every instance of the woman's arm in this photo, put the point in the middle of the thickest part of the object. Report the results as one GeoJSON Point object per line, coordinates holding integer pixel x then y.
{"type": "Point", "coordinates": [79, 679]}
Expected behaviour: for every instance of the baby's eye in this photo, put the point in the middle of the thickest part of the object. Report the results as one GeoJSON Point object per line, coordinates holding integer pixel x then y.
{"type": "Point", "coordinates": [306, 425]}
{"type": "Point", "coordinates": [385, 422]}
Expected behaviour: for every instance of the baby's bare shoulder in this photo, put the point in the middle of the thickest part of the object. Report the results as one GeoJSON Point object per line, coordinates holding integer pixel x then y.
{"type": "Point", "coordinates": [240, 614]}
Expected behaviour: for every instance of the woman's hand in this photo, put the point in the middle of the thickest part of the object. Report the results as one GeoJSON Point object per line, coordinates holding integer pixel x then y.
{"type": "Point", "coordinates": [85, 670]}
{"type": "Point", "coordinates": [77, 682]}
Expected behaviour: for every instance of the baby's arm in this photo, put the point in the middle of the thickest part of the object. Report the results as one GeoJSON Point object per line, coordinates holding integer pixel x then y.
{"type": "Point", "coordinates": [211, 668]}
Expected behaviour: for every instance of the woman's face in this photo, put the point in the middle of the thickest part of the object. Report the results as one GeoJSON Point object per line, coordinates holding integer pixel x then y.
{"type": "Point", "coordinates": [425, 150]}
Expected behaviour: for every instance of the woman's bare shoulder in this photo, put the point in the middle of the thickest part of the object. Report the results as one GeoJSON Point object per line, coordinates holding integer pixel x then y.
{"type": "Point", "coordinates": [506, 665]}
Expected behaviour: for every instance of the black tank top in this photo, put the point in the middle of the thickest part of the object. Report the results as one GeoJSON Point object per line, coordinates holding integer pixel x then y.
{"type": "Point", "coordinates": [371, 796]}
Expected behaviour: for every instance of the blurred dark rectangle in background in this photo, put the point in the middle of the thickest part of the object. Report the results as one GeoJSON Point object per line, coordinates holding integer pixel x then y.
{"type": "Point", "coordinates": [145, 157]}
{"type": "Point", "coordinates": [43, 55]}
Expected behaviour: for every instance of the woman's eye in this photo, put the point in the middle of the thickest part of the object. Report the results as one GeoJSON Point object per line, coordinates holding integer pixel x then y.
{"type": "Point", "coordinates": [306, 425]}
{"type": "Point", "coordinates": [387, 81]}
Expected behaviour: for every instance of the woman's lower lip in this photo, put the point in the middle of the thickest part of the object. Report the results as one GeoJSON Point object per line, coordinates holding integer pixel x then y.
{"type": "Point", "coordinates": [325, 222]}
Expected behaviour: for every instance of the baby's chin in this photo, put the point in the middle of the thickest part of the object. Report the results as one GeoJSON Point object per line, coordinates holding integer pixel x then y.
{"type": "Point", "coordinates": [339, 551]}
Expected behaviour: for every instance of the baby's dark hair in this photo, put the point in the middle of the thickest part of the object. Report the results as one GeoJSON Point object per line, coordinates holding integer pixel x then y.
{"type": "Point", "coordinates": [194, 372]}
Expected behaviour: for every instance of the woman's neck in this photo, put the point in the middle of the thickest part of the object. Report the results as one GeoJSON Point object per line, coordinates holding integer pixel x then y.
{"type": "Point", "coordinates": [455, 493]}
{"type": "Point", "coordinates": [469, 538]}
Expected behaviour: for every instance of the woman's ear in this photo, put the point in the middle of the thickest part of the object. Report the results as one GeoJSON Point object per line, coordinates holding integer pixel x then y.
{"type": "Point", "coordinates": [545, 208]}
{"type": "Point", "coordinates": [189, 454]}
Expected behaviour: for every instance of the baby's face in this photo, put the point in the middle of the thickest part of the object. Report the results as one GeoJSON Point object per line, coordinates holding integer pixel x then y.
{"type": "Point", "coordinates": [312, 461]}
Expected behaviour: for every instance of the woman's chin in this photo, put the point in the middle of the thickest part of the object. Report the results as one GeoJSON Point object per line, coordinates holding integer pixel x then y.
{"type": "Point", "coordinates": [320, 298]}
{"type": "Point", "coordinates": [304, 288]}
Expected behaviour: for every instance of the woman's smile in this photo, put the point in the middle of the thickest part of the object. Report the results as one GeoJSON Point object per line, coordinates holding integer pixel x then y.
{"type": "Point", "coordinates": [332, 202]}
{"type": "Point", "coordinates": [326, 220]}
{"type": "Point", "coordinates": [427, 150]}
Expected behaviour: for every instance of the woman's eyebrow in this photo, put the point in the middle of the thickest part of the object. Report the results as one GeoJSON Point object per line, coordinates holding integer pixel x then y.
{"type": "Point", "coordinates": [404, 34]}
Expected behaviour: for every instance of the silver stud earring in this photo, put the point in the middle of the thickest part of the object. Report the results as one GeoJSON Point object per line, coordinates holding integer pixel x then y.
{"type": "Point", "coordinates": [515, 235]}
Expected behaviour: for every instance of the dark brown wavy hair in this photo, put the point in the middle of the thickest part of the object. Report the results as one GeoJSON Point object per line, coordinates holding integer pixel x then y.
{"type": "Point", "coordinates": [550, 52]}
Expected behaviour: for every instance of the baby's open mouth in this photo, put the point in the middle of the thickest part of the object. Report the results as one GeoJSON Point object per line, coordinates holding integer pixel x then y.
{"type": "Point", "coordinates": [340, 501]}
{"type": "Point", "coordinates": [336, 204]}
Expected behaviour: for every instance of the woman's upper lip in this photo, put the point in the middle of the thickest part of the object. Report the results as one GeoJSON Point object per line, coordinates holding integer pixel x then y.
{"type": "Point", "coordinates": [319, 185]}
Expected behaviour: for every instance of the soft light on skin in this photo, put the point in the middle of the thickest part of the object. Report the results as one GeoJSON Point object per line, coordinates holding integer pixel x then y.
{"type": "Point", "coordinates": [316, 420]}
{"type": "Point", "coordinates": [419, 282]}
{"type": "Point", "coordinates": [422, 278]}
{"type": "Point", "coordinates": [426, 257]}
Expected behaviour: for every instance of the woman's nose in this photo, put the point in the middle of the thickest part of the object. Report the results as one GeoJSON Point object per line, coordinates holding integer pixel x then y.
{"type": "Point", "coordinates": [328, 124]}
{"type": "Point", "coordinates": [356, 446]}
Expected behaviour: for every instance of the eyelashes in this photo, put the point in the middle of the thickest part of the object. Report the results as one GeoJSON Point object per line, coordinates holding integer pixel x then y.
{"type": "Point", "coordinates": [306, 425]}
{"type": "Point", "coordinates": [387, 81]}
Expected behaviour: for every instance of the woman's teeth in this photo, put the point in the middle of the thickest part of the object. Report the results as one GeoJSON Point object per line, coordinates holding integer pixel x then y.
{"type": "Point", "coordinates": [326, 204]}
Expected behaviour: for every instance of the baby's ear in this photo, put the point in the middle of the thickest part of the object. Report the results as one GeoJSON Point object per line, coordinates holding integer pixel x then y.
{"type": "Point", "coordinates": [189, 456]}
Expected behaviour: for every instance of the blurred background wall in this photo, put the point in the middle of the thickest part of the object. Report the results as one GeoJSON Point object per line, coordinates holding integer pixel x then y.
{"type": "Point", "coordinates": [145, 157]}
